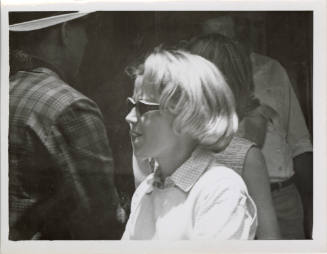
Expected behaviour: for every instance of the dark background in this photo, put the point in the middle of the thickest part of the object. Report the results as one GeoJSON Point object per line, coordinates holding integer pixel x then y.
{"type": "Point", "coordinates": [120, 39]}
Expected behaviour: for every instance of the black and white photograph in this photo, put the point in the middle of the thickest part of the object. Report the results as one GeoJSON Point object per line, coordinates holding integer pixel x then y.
{"type": "Point", "coordinates": [143, 122]}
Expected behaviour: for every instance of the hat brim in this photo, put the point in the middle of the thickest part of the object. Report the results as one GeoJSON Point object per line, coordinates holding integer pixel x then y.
{"type": "Point", "coordinates": [45, 22]}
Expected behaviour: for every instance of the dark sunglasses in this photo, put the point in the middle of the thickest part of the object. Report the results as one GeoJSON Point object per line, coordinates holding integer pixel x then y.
{"type": "Point", "coordinates": [141, 106]}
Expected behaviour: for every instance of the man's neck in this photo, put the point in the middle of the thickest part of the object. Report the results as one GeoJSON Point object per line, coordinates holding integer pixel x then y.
{"type": "Point", "coordinates": [50, 56]}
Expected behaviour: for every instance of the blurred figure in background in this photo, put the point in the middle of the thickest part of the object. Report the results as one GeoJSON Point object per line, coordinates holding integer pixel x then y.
{"type": "Point", "coordinates": [287, 147]}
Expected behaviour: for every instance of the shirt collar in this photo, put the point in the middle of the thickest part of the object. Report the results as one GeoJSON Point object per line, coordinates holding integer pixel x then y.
{"type": "Point", "coordinates": [188, 173]}
{"type": "Point", "coordinates": [47, 71]}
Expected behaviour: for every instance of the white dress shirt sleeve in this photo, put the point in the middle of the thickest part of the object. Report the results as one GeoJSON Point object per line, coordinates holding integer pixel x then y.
{"type": "Point", "coordinates": [298, 135]}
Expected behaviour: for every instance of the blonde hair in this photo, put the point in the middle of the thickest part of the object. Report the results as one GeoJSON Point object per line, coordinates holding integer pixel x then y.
{"type": "Point", "coordinates": [193, 90]}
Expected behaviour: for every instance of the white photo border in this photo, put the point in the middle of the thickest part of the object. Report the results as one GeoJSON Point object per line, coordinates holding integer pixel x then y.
{"type": "Point", "coordinates": [319, 242]}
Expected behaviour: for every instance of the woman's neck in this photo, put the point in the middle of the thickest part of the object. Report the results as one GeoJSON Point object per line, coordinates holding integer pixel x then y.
{"type": "Point", "coordinates": [174, 158]}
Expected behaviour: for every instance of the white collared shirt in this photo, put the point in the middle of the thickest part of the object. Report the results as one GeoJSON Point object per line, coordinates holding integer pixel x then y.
{"type": "Point", "coordinates": [200, 200]}
{"type": "Point", "coordinates": [287, 134]}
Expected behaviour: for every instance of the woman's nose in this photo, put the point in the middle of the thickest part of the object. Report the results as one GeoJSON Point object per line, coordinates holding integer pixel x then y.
{"type": "Point", "coordinates": [131, 117]}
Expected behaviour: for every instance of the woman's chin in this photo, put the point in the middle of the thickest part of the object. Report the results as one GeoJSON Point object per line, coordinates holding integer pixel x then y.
{"type": "Point", "coordinates": [142, 149]}
{"type": "Point", "coordinates": [139, 151]}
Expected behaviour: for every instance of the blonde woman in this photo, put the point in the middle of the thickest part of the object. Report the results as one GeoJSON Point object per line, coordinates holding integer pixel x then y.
{"type": "Point", "coordinates": [182, 112]}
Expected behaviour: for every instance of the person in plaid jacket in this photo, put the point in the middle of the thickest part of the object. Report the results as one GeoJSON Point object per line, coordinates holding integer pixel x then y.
{"type": "Point", "coordinates": [60, 163]}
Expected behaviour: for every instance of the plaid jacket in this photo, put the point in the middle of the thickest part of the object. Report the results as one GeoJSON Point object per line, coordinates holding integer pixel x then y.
{"type": "Point", "coordinates": [60, 164]}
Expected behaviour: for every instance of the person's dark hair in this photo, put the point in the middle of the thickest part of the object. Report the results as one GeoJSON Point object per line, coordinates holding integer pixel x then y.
{"type": "Point", "coordinates": [233, 60]}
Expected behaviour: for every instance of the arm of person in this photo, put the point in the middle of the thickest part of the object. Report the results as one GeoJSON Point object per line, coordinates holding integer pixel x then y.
{"type": "Point", "coordinates": [256, 178]}
{"type": "Point", "coordinates": [303, 166]}
{"type": "Point", "coordinates": [88, 194]}
{"type": "Point", "coordinates": [299, 139]}
{"type": "Point", "coordinates": [253, 127]}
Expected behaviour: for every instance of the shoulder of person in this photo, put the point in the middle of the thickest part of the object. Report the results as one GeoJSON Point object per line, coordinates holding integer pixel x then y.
{"type": "Point", "coordinates": [262, 63]}
{"type": "Point", "coordinates": [57, 90]}
{"type": "Point", "coordinates": [66, 99]}
{"type": "Point", "coordinates": [259, 60]}
{"type": "Point", "coordinates": [47, 95]}
{"type": "Point", "coordinates": [238, 145]}
{"type": "Point", "coordinates": [68, 95]}
{"type": "Point", "coordinates": [218, 179]}
{"type": "Point", "coordinates": [242, 142]}
{"type": "Point", "coordinates": [254, 159]}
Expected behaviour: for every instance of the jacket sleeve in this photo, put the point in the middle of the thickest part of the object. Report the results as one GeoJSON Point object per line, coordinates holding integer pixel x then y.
{"type": "Point", "coordinates": [87, 196]}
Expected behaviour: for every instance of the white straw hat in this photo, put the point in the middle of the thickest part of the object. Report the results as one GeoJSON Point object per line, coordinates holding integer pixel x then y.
{"type": "Point", "coordinates": [39, 23]}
